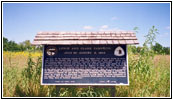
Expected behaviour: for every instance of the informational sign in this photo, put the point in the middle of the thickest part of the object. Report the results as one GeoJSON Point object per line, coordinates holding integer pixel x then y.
{"type": "Point", "coordinates": [85, 65]}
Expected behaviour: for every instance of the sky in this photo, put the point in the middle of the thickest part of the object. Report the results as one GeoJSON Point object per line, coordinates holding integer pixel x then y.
{"type": "Point", "coordinates": [22, 21]}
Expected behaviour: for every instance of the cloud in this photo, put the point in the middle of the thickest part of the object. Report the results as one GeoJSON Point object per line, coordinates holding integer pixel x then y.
{"type": "Point", "coordinates": [111, 29]}
{"type": "Point", "coordinates": [101, 29]}
{"type": "Point", "coordinates": [104, 26]}
{"type": "Point", "coordinates": [168, 27]}
{"type": "Point", "coordinates": [114, 18]}
{"type": "Point", "coordinates": [88, 27]}
{"type": "Point", "coordinates": [166, 34]}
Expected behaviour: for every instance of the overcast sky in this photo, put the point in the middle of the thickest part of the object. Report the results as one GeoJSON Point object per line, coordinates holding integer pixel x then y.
{"type": "Point", "coordinates": [22, 21]}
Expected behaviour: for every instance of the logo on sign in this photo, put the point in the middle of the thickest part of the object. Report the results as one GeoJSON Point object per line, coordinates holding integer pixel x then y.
{"type": "Point", "coordinates": [119, 51]}
{"type": "Point", "coordinates": [51, 50]}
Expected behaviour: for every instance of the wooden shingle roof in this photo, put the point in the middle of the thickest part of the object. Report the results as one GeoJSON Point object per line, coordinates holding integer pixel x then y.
{"type": "Point", "coordinates": [73, 38]}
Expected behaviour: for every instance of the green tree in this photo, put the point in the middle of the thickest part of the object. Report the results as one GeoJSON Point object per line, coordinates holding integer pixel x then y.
{"type": "Point", "coordinates": [158, 49]}
{"type": "Point", "coordinates": [27, 44]}
{"type": "Point", "coordinates": [166, 50]}
{"type": "Point", "coordinates": [10, 45]}
{"type": "Point", "coordinates": [22, 47]}
{"type": "Point", "coordinates": [13, 46]}
{"type": "Point", "coordinates": [5, 44]}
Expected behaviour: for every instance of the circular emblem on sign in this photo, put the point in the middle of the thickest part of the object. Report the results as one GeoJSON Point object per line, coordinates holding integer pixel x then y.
{"type": "Point", "coordinates": [119, 51]}
{"type": "Point", "coordinates": [51, 50]}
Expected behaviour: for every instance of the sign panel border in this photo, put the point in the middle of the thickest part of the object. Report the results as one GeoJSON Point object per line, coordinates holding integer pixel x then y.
{"type": "Point", "coordinates": [83, 84]}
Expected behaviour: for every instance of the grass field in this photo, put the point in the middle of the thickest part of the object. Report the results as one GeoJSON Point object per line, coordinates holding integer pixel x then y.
{"type": "Point", "coordinates": [147, 79]}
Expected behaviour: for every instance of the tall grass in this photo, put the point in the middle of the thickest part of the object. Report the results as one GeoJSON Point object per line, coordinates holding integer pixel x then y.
{"type": "Point", "coordinates": [29, 85]}
{"type": "Point", "coordinates": [148, 77]}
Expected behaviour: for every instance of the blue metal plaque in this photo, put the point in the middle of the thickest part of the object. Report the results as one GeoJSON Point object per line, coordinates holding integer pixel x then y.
{"type": "Point", "coordinates": [85, 65]}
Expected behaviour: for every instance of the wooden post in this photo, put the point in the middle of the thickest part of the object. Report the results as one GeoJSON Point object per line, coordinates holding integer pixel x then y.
{"type": "Point", "coordinates": [113, 91]}
{"type": "Point", "coordinates": [58, 90]}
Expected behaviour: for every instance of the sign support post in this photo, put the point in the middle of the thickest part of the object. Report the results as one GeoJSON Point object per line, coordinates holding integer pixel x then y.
{"type": "Point", "coordinates": [58, 90]}
{"type": "Point", "coordinates": [113, 91]}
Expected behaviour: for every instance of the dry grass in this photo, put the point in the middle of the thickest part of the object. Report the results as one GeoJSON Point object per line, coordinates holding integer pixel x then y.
{"type": "Point", "coordinates": [157, 86]}
{"type": "Point", "coordinates": [13, 65]}
{"type": "Point", "coordinates": [18, 59]}
{"type": "Point", "coordinates": [162, 61]}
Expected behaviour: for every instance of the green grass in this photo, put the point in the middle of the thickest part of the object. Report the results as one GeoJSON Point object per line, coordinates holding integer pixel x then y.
{"type": "Point", "coordinates": [149, 77]}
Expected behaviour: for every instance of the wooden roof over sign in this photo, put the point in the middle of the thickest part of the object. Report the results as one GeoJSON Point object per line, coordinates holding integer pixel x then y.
{"type": "Point", "coordinates": [73, 38]}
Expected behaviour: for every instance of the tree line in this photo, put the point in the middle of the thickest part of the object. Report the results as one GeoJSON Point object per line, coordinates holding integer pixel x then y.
{"type": "Point", "coordinates": [157, 49]}
{"type": "Point", "coordinates": [23, 46]}
{"type": "Point", "coordinates": [26, 46]}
